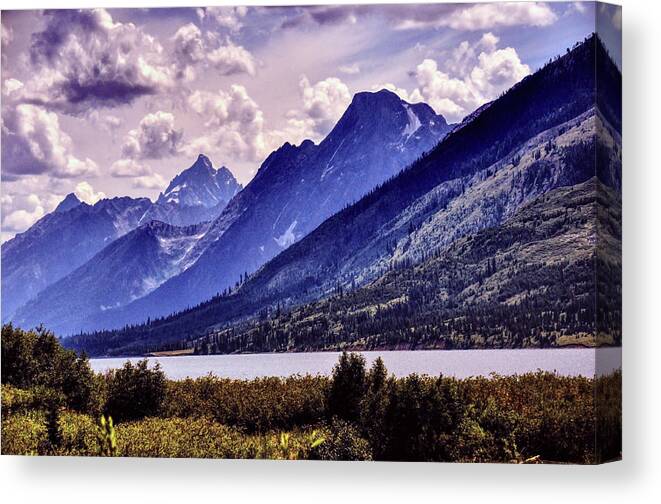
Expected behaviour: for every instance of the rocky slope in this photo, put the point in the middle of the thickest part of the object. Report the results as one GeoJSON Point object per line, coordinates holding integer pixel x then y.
{"type": "Point", "coordinates": [526, 283]}
{"type": "Point", "coordinates": [61, 242]}
{"type": "Point", "coordinates": [130, 267]}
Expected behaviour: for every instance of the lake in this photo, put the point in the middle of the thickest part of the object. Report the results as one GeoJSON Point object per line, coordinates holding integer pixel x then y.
{"type": "Point", "coordinates": [457, 363]}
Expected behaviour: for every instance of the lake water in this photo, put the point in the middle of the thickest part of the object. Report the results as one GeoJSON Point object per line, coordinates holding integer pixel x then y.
{"type": "Point", "coordinates": [457, 363]}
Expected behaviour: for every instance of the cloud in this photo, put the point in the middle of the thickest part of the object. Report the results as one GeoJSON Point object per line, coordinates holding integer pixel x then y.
{"type": "Point", "coordinates": [322, 105]}
{"type": "Point", "coordinates": [33, 143]}
{"type": "Point", "coordinates": [20, 220]}
{"type": "Point", "coordinates": [474, 75]}
{"type": "Point", "coordinates": [323, 102]}
{"type": "Point", "coordinates": [350, 69]}
{"type": "Point", "coordinates": [231, 59]}
{"type": "Point", "coordinates": [578, 7]}
{"type": "Point", "coordinates": [225, 17]}
{"type": "Point", "coordinates": [126, 168]}
{"type": "Point", "coordinates": [86, 193]}
{"type": "Point", "coordinates": [490, 15]}
{"type": "Point", "coordinates": [234, 121]}
{"type": "Point", "coordinates": [152, 181]}
{"type": "Point", "coordinates": [84, 59]}
{"type": "Point", "coordinates": [189, 50]}
{"type": "Point", "coordinates": [155, 138]}
{"type": "Point", "coordinates": [20, 210]}
{"type": "Point", "coordinates": [11, 87]}
{"type": "Point", "coordinates": [6, 38]}
{"type": "Point", "coordinates": [467, 17]}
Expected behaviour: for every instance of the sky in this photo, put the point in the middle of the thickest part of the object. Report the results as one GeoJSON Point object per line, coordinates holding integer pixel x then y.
{"type": "Point", "coordinates": [116, 102]}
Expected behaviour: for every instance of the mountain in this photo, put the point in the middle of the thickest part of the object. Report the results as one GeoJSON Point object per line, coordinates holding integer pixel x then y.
{"type": "Point", "coordinates": [197, 194]}
{"type": "Point", "coordinates": [526, 283]}
{"type": "Point", "coordinates": [540, 135]}
{"type": "Point", "coordinates": [295, 189]}
{"type": "Point", "coordinates": [545, 133]}
{"type": "Point", "coordinates": [127, 269]}
{"type": "Point", "coordinates": [69, 202]}
{"type": "Point", "coordinates": [60, 242]}
{"type": "Point", "coordinates": [74, 232]}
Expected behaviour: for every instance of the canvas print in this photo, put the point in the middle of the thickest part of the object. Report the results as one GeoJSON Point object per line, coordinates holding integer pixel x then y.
{"type": "Point", "coordinates": [355, 232]}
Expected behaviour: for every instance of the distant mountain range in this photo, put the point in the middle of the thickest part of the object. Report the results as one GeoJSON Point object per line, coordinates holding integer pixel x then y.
{"type": "Point", "coordinates": [296, 188]}
{"type": "Point", "coordinates": [502, 235]}
{"type": "Point", "coordinates": [75, 232]}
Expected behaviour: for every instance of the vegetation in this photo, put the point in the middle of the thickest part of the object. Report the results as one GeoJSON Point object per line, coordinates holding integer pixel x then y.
{"type": "Point", "coordinates": [356, 414]}
{"type": "Point", "coordinates": [529, 283]}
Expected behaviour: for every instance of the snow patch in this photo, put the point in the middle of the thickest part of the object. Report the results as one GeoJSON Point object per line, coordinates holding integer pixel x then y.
{"type": "Point", "coordinates": [413, 122]}
{"type": "Point", "coordinates": [288, 237]}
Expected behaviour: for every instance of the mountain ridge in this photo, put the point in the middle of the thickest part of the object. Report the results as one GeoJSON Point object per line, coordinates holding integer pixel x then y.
{"type": "Point", "coordinates": [560, 92]}
{"type": "Point", "coordinates": [294, 190]}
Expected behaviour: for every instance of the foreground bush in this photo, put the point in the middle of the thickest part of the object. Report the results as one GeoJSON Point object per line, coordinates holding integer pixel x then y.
{"type": "Point", "coordinates": [135, 391]}
{"type": "Point", "coordinates": [36, 359]}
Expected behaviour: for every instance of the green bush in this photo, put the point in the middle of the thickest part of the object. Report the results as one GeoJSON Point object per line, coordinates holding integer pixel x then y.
{"type": "Point", "coordinates": [135, 391]}
{"type": "Point", "coordinates": [347, 387]}
{"type": "Point", "coordinates": [24, 434]}
{"type": "Point", "coordinates": [342, 441]}
{"type": "Point", "coordinates": [259, 405]}
{"type": "Point", "coordinates": [36, 359]}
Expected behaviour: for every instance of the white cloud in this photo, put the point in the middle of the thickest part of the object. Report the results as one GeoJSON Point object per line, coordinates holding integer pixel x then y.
{"type": "Point", "coordinates": [352, 69]}
{"type": "Point", "coordinates": [189, 50]}
{"type": "Point", "coordinates": [85, 192]}
{"type": "Point", "coordinates": [20, 220]}
{"type": "Point", "coordinates": [234, 121]}
{"type": "Point", "coordinates": [484, 16]}
{"type": "Point", "coordinates": [34, 143]}
{"type": "Point", "coordinates": [413, 97]}
{"type": "Point", "coordinates": [127, 168]}
{"type": "Point", "coordinates": [474, 75]}
{"type": "Point", "coordinates": [323, 102]}
{"type": "Point", "coordinates": [21, 209]}
{"type": "Point", "coordinates": [579, 7]}
{"type": "Point", "coordinates": [152, 181]}
{"type": "Point", "coordinates": [456, 16]}
{"type": "Point", "coordinates": [11, 87]}
{"type": "Point", "coordinates": [231, 59]}
{"type": "Point", "coordinates": [225, 17]}
{"type": "Point", "coordinates": [156, 137]}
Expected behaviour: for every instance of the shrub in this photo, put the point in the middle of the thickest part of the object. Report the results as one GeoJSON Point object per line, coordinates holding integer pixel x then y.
{"type": "Point", "coordinates": [135, 391]}
{"type": "Point", "coordinates": [24, 434]}
{"type": "Point", "coordinates": [347, 387]}
{"type": "Point", "coordinates": [259, 405]}
{"type": "Point", "coordinates": [342, 441]}
{"type": "Point", "coordinates": [36, 359]}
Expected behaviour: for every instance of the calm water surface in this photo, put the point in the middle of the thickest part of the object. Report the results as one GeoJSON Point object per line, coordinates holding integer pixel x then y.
{"type": "Point", "coordinates": [458, 363]}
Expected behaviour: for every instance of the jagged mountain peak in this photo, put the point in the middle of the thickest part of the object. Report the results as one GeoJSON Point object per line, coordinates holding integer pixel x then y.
{"type": "Point", "coordinates": [69, 202]}
{"type": "Point", "coordinates": [385, 115]}
{"type": "Point", "coordinates": [201, 185]}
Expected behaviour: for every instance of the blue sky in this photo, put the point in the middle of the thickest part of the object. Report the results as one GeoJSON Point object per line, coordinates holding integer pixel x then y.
{"type": "Point", "coordinates": [116, 102]}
